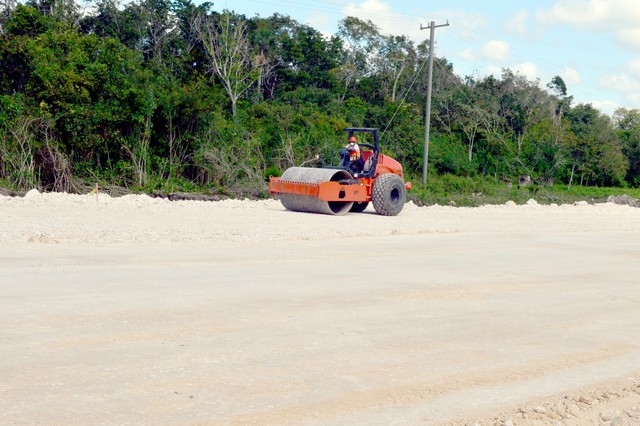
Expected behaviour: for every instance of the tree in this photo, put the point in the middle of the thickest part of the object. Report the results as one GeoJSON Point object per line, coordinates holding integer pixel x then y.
{"type": "Point", "coordinates": [546, 159]}
{"type": "Point", "coordinates": [397, 59]}
{"type": "Point", "coordinates": [27, 21]}
{"type": "Point", "coordinates": [471, 119]}
{"type": "Point", "coordinates": [230, 56]}
{"type": "Point", "coordinates": [523, 104]}
{"type": "Point", "coordinates": [362, 39]}
{"type": "Point", "coordinates": [6, 9]}
{"type": "Point", "coordinates": [20, 134]}
{"type": "Point", "coordinates": [63, 11]}
{"type": "Point", "coordinates": [596, 151]}
{"type": "Point", "coordinates": [264, 38]}
{"type": "Point", "coordinates": [493, 132]}
{"type": "Point", "coordinates": [559, 90]}
{"type": "Point", "coordinates": [627, 122]}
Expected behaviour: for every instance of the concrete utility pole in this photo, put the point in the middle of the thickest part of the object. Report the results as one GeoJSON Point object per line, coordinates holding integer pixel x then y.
{"type": "Point", "coordinates": [427, 115]}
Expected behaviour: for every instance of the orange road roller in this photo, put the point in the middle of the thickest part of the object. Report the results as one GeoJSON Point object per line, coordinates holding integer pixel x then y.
{"type": "Point", "coordinates": [363, 176]}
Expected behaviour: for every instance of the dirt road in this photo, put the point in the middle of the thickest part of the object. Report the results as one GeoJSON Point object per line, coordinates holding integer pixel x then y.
{"type": "Point", "coordinates": [140, 311]}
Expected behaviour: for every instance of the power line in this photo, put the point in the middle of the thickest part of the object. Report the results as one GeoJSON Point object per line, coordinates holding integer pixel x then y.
{"type": "Point", "coordinates": [468, 36]}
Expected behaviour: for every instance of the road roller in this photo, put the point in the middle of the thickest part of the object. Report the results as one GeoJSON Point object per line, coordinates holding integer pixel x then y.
{"type": "Point", "coordinates": [367, 177]}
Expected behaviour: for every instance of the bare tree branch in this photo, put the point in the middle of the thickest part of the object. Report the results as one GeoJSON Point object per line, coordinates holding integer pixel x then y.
{"type": "Point", "coordinates": [227, 46]}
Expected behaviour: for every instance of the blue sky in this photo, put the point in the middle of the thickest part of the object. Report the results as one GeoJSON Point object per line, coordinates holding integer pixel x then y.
{"type": "Point", "coordinates": [594, 45]}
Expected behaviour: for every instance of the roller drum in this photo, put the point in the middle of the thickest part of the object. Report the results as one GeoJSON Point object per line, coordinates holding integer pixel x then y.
{"type": "Point", "coordinates": [306, 203]}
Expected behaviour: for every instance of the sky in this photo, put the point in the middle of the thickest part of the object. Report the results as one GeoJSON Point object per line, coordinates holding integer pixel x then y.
{"type": "Point", "coordinates": [594, 45]}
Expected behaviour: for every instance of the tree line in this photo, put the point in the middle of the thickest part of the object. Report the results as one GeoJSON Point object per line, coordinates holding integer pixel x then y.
{"type": "Point", "coordinates": [167, 95]}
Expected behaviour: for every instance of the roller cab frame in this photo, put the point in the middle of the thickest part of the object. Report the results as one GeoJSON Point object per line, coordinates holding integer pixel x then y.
{"type": "Point", "coordinates": [343, 188]}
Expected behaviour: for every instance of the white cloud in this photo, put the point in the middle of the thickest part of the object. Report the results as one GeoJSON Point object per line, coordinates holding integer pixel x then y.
{"type": "Point", "coordinates": [628, 86]}
{"type": "Point", "coordinates": [465, 23]}
{"type": "Point", "coordinates": [389, 21]}
{"type": "Point", "coordinates": [571, 77]}
{"type": "Point", "coordinates": [529, 70]}
{"type": "Point", "coordinates": [493, 50]}
{"type": "Point", "coordinates": [518, 24]}
{"type": "Point", "coordinates": [634, 66]}
{"type": "Point", "coordinates": [600, 14]}
{"type": "Point", "coordinates": [380, 13]}
{"type": "Point", "coordinates": [619, 18]}
{"type": "Point", "coordinates": [634, 98]}
{"type": "Point", "coordinates": [386, 19]}
{"type": "Point", "coordinates": [629, 38]}
{"type": "Point", "coordinates": [622, 83]}
{"type": "Point", "coordinates": [605, 107]}
{"type": "Point", "coordinates": [323, 22]}
{"type": "Point", "coordinates": [367, 8]}
{"type": "Point", "coordinates": [496, 50]}
{"type": "Point", "coordinates": [494, 70]}
{"type": "Point", "coordinates": [467, 55]}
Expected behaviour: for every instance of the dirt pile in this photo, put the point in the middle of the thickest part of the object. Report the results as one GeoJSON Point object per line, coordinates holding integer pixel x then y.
{"type": "Point", "coordinates": [617, 404]}
{"type": "Point", "coordinates": [624, 200]}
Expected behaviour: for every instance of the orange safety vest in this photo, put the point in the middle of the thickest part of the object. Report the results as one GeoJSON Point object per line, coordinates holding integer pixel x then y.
{"type": "Point", "coordinates": [354, 151]}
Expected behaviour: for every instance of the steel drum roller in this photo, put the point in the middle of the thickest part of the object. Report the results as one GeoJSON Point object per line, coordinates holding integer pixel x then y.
{"type": "Point", "coordinates": [306, 203]}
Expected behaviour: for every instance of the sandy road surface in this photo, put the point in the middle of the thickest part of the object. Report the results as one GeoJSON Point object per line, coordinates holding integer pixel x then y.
{"type": "Point", "coordinates": [134, 310]}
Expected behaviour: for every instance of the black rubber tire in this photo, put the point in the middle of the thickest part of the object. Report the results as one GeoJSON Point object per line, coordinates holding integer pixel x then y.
{"type": "Point", "coordinates": [359, 207]}
{"type": "Point", "coordinates": [388, 194]}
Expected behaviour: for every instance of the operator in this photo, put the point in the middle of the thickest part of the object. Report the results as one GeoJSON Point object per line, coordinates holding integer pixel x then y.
{"type": "Point", "coordinates": [355, 158]}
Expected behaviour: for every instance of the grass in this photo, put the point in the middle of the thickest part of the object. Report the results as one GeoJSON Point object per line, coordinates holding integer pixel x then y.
{"type": "Point", "coordinates": [440, 189]}
{"type": "Point", "coordinates": [477, 191]}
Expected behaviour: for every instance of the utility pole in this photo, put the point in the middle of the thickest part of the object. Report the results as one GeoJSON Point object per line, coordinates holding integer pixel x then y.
{"type": "Point", "coordinates": [427, 115]}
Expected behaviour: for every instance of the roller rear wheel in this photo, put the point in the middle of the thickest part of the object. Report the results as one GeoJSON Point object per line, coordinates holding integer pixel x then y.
{"type": "Point", "coordinates": [388, 194]}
